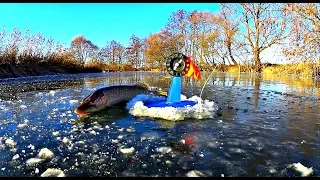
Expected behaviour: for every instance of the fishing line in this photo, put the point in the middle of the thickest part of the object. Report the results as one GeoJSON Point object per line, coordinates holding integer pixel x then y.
{"type": "Point", "coordinates": [205, 83]}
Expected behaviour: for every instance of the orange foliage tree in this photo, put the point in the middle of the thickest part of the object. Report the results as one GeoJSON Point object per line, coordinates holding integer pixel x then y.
{"type": "Point", "coordinates": [158, 47]}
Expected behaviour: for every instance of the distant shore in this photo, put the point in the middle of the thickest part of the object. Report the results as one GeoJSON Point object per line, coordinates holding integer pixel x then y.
{"type": "Point", "coordinates": [39, 69]}
{"type": "Point", "coordinates": [23, 70]}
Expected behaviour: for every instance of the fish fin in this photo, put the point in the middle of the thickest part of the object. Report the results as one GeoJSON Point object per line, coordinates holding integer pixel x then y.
{"type": "Point", "coordinates": [162, 93]}
{"type": "Point", "coordinates": [144, 85]}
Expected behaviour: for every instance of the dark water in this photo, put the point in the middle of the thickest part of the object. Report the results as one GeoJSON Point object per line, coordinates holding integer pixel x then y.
{"type": "Point", "coordinates": [266, 124]}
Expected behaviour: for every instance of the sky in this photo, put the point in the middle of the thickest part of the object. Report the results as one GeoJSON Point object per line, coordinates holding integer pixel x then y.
{"type": "Point", "coordinates": [98, 22]}
{"type": "Point", "coordinates": [101, 22]}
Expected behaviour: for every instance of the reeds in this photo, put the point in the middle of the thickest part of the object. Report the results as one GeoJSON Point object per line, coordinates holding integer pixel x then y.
{"type": "Point", "coordinates": [23, 54]}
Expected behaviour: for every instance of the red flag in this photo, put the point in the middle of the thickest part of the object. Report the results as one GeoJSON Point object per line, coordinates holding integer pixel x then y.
{"type": "Point", "coordinates": [192, 70]}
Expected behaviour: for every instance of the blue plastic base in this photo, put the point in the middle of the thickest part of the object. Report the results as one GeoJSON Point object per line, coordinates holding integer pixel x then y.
{"type": "Point", "coordinates": [173, 104]}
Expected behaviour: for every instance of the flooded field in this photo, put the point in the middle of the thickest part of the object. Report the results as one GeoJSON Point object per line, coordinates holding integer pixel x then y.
{"type": "Point", "coordinates": [266, 126]}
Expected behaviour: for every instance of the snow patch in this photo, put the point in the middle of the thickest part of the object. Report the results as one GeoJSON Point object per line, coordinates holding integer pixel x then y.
{"type": "Point", "coordinates": [114, 141]}
{"type": "Point", "coordinates": [10, 143]}
{"type": "Point", "coordinates": [33, 161]}
{"type": "Point", "coordinates": [127, 150]}
{"type": "Point", "coordinates": [23, 106]}
{"type": "Point", "coordinates": [164, 149]}
{"type": "Point", "coordinates": [56, 133]}
{"type": "Point", "coordinates": [15, 157]}
{"type": "Point", "coordinates": [302, 169]}
{"type": "Point", "coordinates": [203, 109]}
{"type": "Point", "coordinates": [31, 146]}
{"type": "Point", "coordinates": [52, 93]}
{"type": "Point", "coordinates": [21, 125]}
{"type": "Point", "coordinates": [73, 101]}
{"type": "Point", "coordinates": [45, 153]}
{"type": "Point", "coordinates": [53, 172]}
{"type": "Point", "coordinates": [195, 173]}
{"type": "Point", "coordinates": [65, 140]}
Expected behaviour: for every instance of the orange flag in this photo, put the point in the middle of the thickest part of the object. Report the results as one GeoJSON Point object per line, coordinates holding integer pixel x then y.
{"type": "Point", "coordinates": [191, 69]}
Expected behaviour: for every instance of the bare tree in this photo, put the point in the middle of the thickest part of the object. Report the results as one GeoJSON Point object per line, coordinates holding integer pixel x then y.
{"type": "Point", "coordinates": [228, 29]}
{"type": "Point", "coordinates": [134, 51]}
{"type": "Point", "coordinates": [261, 25]}
{"type": "Point", "coordinates": [177, 25]}
{"type": "Point", "coordinates": [82, 48]}
{"type": "Point", "coordinates": [304, 40]}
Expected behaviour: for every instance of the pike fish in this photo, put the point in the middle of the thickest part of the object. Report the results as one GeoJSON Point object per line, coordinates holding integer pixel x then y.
{"type": "Point", "coordinates": [112, 96]}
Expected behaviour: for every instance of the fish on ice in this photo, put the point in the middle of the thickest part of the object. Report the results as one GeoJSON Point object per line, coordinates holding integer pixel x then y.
{"type": "Point", "coordinates": [114, 95]}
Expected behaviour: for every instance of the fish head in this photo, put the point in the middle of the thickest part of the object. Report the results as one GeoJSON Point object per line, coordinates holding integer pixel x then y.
{"type": "Point", "coordinates": [92, 103]}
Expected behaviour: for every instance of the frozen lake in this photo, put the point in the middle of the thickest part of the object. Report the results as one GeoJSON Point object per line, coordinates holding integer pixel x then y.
{"type": "Point", "coordinates": [265, 125]}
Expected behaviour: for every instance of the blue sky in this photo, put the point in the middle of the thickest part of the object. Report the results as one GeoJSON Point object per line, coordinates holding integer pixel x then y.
{"type": "Point", "coordinates": [98, 22]}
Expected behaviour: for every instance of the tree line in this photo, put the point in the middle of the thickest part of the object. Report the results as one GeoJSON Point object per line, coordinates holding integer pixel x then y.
{"type": "Point", "coordinates": [236, 35]}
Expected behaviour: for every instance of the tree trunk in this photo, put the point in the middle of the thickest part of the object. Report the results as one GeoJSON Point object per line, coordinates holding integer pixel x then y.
{"type": "Point", "coordinates": [230, 54]}
{"type": "Point", "coordinates": [257, 61]}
